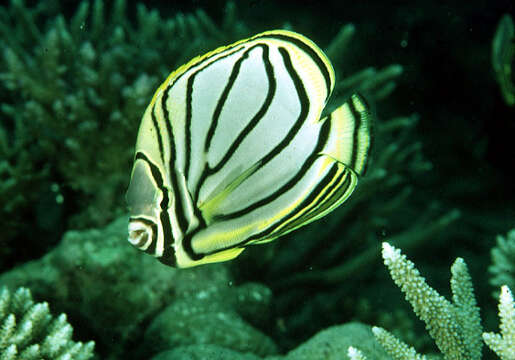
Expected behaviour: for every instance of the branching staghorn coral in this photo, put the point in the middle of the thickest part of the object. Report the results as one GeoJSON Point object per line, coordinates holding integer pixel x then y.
{"type": "Point", "coordinates": [393, 346]}
{"type": "Point", "coordinates": [28, 331]}
{"type": "Point", "coordinates": [355, 354]}
{"type": "Point", "coordinates": [502, 269]}
{"type": "Point", "coordinates": [503, 344]}
{"type": "Point", "coordinates": [455, 327]}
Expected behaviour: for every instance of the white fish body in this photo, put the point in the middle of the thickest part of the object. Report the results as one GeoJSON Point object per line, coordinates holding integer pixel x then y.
{"type": "Point", "coordinates": [231, 150]}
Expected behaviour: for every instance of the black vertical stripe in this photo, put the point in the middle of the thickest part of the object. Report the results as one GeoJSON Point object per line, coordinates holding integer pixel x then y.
{"type": "Point", "coordinates": [158, 133]}
{"type": "Point", "coordinates": [151, 250]}
{"type": "Point", "coordinates": [322, 141]}
{"type": "Point", "coordinates": [163, 214]}
{"type": "Point", "coordinates": [207, 171]}
{"type": "Point", "coordinates": [187, 126]}
{"type": "Point", "coordinates": [304, 103]}
{"type": "Point", "coordinates": [189, 94]}
{"type": "Point", "coordinates": [269, 232]}
{"type": "Point", "coordinates": [154, 170]}
{"type": "Point", "coordinates": [369, 149]}
{"type": "Point", "coordinates": [168, 257]}
{"type": "Point", "coordinates": [308, 49]}
{"type": "Point", "coordinates": [168, 239]}
{"type": "Point", "coordinates": [336, 196]}
{"type": "Point", "coordinates": [313, 208]}
{"type": "Point", "coordinates": [189, 102]}
{"type": "Point", "coordinates": [187, 246]}
{"type": "Point", "coordinates": [187, 240]}
{"type": "Point", "coordinates": [304, 108]}
{"type": "Point", "coordinates": [355, 136]}
{"type": "Point", "coordinates": [178, 207]}
{"type": "Point", "coordinates": [272, 87]}
{"type": "Point", "coordinates": [367, 116]}
{"type": "Point", "coordinates": [340, 185]}
{"type": "Point", "coordinates": [223, 98]}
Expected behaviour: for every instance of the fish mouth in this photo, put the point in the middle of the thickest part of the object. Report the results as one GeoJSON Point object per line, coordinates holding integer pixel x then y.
{"type": "Point", "coordinates": [140, 234]}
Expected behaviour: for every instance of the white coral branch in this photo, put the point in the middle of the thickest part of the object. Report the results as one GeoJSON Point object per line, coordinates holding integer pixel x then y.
{"type": "Point", "coordinates": [503, 344]}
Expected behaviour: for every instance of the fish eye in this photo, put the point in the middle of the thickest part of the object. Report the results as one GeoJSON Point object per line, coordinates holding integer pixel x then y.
{"type": "Point", "coordinates": [140, 233]}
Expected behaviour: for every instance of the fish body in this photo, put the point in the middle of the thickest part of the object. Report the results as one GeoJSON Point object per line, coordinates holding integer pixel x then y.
{"type": "Point", "coordinates": [232, 150]}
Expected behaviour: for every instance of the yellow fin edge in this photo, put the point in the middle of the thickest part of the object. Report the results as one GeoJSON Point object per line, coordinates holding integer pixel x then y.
{"type": "Point", "coordinates": [221, 256]}
{"type": "Point", "coordinates": [183, 68]}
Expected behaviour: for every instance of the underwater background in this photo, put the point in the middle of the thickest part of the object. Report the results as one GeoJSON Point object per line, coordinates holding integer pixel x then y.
{"type": "Point", "coordinates": [75, 79]}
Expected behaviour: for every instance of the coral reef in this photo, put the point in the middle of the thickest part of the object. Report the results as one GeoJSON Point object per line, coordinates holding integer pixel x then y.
{"type": "Point", "coordinates": [90, 266]}
{"type": "Point", "coordinates": [201, 352]}
{"type": "Point", "coordinates": [328, 344]}
{"type": "Point", "coordinates": [455, 327]}
{"type": "Point", "coordinates": [503, 58]}
{"type": "Point", "coordinates": [503, 344]}
{"type": "Point", "coordinates": [212, 313]}
{"type": "Point", "coordinates": [74, 81]}
{"type": "Point", "coordinates": [29, 332]}
{"type": "Point", "coordinates": [205, 320]}
{"type": "Point", "coordinates": [396, 348]}
{"type": "Point", "coordinates": [502, 269]}
{"type": "Point", "coordinates": [355, 354]}
{"type": "Point", "coordinates": [332, 343]}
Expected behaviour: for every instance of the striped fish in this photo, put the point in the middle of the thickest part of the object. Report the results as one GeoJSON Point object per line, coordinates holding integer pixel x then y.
{"type": "Point", "coordinates": [232, 150]}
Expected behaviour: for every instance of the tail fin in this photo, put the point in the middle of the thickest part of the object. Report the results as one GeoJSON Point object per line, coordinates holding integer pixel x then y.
{"type": "Point", "coordinates": [350, 137]}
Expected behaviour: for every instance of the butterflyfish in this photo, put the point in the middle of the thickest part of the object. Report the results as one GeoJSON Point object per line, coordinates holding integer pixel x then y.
{"type": "Point", "coordinates": [232, 150]}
